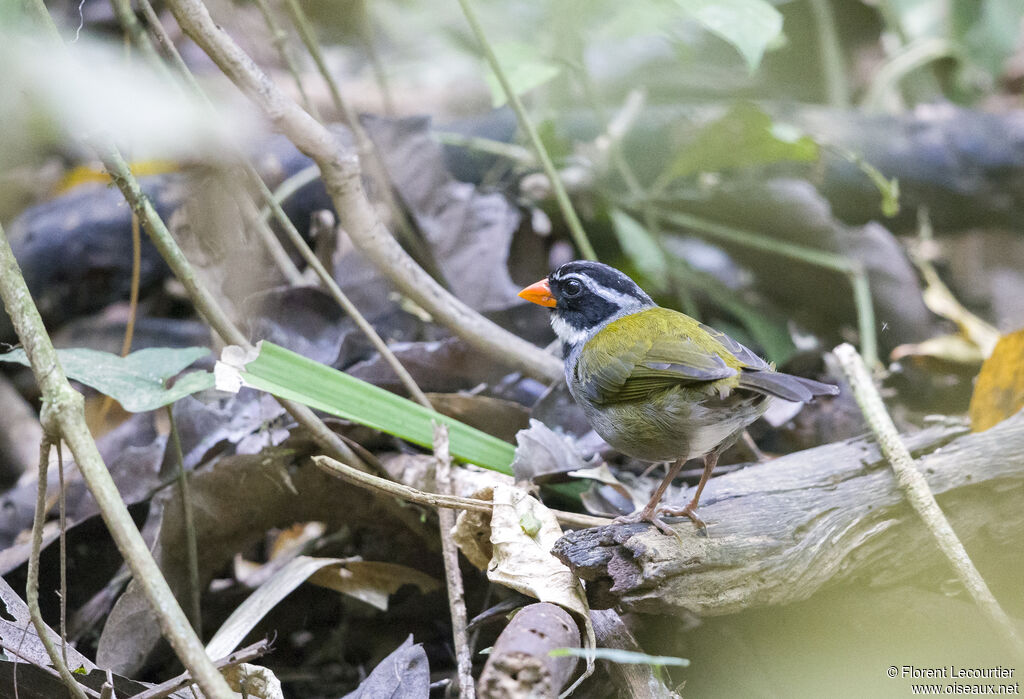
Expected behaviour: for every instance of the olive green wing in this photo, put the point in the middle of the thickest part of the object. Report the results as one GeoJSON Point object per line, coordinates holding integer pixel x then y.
{"type": "Point", "coordinates": [634, 371]}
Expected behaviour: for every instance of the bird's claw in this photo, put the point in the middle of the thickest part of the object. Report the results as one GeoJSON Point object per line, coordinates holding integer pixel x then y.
{"type": "Point", "coordinates": [689, 512]}
{"type": "Point", "coordinates": [653, 515]}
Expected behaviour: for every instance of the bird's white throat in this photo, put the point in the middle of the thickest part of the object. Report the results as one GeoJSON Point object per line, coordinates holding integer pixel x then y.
{"type": "Point", "coordinates": [567, 333]}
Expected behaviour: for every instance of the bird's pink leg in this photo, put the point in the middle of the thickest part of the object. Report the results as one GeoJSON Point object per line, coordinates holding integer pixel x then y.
{"type": "Point", "coordinates": [650, 512]}
{"type": "Point", "coordinates": [710, 461]}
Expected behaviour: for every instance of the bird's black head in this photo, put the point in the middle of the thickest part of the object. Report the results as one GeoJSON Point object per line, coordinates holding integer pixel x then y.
{"type": "Point", "coordinates": [584, 296]}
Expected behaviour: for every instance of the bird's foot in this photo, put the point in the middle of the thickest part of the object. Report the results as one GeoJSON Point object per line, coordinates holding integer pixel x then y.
{"type": "Point", "coordinates": [653, 515]}
{"type": "Point", "coordinates": [688, 511]}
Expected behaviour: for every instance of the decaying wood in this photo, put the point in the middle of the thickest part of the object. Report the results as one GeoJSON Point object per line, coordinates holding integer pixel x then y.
{"type": "Point", "coordinates": [780, 531]}
{"type": "Point", "coordinates": [519, 665]}
{"type": "Point", "coordinates": [630, 679]}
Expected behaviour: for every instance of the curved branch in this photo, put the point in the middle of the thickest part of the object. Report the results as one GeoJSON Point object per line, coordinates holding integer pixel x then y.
{"type": "Point", "coordinates": [341, 176]}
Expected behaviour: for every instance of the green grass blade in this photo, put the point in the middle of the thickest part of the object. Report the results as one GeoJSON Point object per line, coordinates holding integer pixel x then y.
{"type": "Point", "coordinates": [288, 375]}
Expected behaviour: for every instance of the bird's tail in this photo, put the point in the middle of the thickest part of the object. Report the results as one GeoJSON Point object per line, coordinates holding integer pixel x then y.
{"type": "Point", "coordinates": [786, 386]}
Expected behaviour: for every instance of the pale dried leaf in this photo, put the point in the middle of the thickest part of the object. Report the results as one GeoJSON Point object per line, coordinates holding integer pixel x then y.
{"type": "Point", "coordinates": [372, 581]}
{"type": "Point", "coordinates": [253, 681]}
{"type": "Point", "coordinates": [941, 301]}
{"type": "Point", "coordinates": [265, 598]}
{"type": "Point", "coordinates": [955, 349]}
{"type": "Point", "coordinates": [472, 532]}
{"type": "Point", "coordinates": [523, 561]}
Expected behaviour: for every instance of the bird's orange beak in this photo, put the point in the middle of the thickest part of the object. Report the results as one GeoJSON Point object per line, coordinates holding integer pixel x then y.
{"type": "Point", "coordinates": [539, 293]}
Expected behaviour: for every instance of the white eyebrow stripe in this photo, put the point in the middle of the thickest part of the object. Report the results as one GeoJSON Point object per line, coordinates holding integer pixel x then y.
{"type": "Point", "coordinates": [617, 298]}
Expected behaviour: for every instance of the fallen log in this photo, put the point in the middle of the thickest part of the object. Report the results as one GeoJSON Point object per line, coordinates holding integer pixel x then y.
{"type": "Point", "coordinates": [782, 530]}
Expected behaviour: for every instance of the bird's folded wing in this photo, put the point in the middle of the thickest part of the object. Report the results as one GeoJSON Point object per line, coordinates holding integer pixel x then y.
{"type": "Point", "coordinates": [744, 355]}
{"type": "Point", "coordinates": [647, 367]}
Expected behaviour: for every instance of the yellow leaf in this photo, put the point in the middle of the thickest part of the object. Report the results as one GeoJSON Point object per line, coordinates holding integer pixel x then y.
{"type": "Point", "coordinates": [999, 391]}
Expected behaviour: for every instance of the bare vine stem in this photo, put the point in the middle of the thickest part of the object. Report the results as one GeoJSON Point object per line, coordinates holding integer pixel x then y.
{"type": "Point", "coordinates": [279, 37]}
{"type": "Point", "coordinates": [919, 495]}
{"type": "Point", "coordinates": [579, 235]}
{"type": "Point", "coordinates": [369, 156]}
{"type": "Point", "coordinates": [341, 175]}
{"type": "Point", "coordinates": [57, 658]}
{"type": "Point", "coordinates": [435, 500]}
{"type": "Point", "coordinates": [64, 415]}
{"type": "Point", "coordinates": [452, 572]}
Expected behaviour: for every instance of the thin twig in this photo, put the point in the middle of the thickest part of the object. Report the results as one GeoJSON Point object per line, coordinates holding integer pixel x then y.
{"type": "Point", "coordinates": [156, 27]}
{"type": "Point", "coordinates": [435, 500]}
{"type": "Point", "coordinates": [252, 217]}
{"type": "Point", "coordinates": [133, 308]}
{"type": "Point", "coordinates": [279, 37]}
{"type": "Point", "coordinates": [287, 188]}
{"type": "Point", "coordinates": [852, 269]}
{"type": "Point", "coordinates": [346, 304]}
{"type": "Point", "coordinates": [915, 489]}
{"type": "Point", "coordinates": [135, 32]}
{"type": "Point", "coordinates": [452, 573]}
{"type": "Point", "coordinates": [342, 179]}
{"type": "Point", "coordinates": [189, 524]}
{"type": "Point", "coordinates": [32, 582]}
{"type": "Point", "coordinates": [911, 57]}
{"type": "Point", "coordinates": [376, 64]}
{"type": "Point", "coordinates": [579, 236]}
{"type": "Point", "coordinates": [513, 152]}
{"type": "Point", "coordinates": [369, 155]}
{"type": "Point", "coordinates": [242, 655]}
{"type": "Point", "coordinates": [831, 53]}
{"type": "Point", "coordinates": [308, 37]}
{"type": "Point", "coordinates": [63, 510]}
{"type": "Point", "coordinates": [16, 652]}
{"type": "Point", "coordinates": [64, 415]}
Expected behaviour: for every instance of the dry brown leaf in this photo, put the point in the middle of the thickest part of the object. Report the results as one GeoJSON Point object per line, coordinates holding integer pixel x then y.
{"type": "Point", "coordinates": [523, 532]}
{"type": "Point", "coordinates": [372, 581]}
{"type": "Point", "coordinates": [253, 681]}
{"type": "Point", "coordinates": [955, 349]}
{"type": "Point", "coordinates": [999, 391]}
{"type": "Point", "coordinates": [940, 300]}
{"type": "Point", "coordinates": [265, 598]}
{"type": "Point", "coordinates": [472, 532]}
{"type": "Point", "coordinates": [369, 581]}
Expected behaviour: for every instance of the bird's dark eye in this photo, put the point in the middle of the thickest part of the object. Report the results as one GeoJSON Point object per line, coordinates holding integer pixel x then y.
{"type": "Point", "coordinates": [572, 288]}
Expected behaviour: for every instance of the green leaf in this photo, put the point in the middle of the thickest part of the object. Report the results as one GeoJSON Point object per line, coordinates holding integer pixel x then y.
{"type": "Point", "coordinates": [617, 655]}
{"type": "Point", "coordinates": [288, 375]}
{"type": "Point", "coordinates": [641, 248]}
{"type": "Point", "coordinates": [137, 381]}
{"type": "Point", "coordinates": [743, 137]}
{"type": "Point", "coordinates": [524, 69]}
{"type": "Point", "coordinates": [749, 25]}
